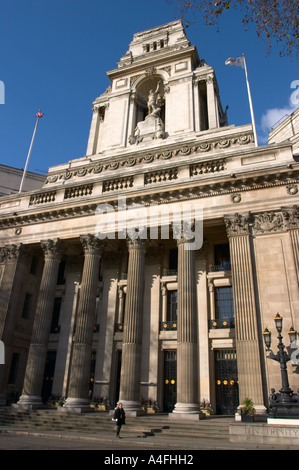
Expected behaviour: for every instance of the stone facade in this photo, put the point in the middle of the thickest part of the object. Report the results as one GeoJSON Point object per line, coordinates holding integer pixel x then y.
{"type": "Point", "coordinates": [103, 293]}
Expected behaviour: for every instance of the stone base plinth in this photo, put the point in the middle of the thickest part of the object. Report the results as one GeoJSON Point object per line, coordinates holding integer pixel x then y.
{"type": "Point", "coordinates": [76, 405]}
{"type": "Point", "coordinates": [151, 128]}
{"type": "Point", "coordinates": [29, 402]}
{"type": "Point", "coordinates": [131, 408]}
{"type": "Point", "coordinates": [186, 416]}
{"type": "Point", "coordinates": [189, 411]}
{"type": "Point", "coordinates": [262, 433]}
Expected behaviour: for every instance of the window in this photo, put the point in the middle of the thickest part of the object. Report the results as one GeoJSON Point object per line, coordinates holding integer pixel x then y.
{"type": "Point", "coordinates": [221, 258]}
{"type": "Point", "coordinates": [173, 259]}
{"type": "Point", "coordinates": [13, 369]}
{"type": "Point", "coordinates": [55, 316]}
{"type": "Point", "coordinates": [61, 270]}
{"type": "Point", "coordinates": [26, 306]}
{"type": "Point", "coordinates": [34, 263]}
{"type": "Point", "coordinates": [224, 306]}
{"type": "Point", "coordinates": [172, 305]}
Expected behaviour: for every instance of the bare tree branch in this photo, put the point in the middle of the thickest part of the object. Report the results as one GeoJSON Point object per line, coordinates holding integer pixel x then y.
{"type": "Point", "coordinates": [275, 20]}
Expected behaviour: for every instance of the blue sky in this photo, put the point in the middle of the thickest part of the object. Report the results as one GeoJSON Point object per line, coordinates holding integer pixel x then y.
{"type": "Point", "coordinates": [54, 55]}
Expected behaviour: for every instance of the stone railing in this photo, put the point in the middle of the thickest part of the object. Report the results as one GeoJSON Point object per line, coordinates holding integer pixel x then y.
{"type": "Point", "coordinates": [42, 198]}
{"type": "Point", "coordinates": [161, 176]}
{"type": "Point", "coordinates": [118, 183]}
{"type": "Point", "coordinates": [78, 191]}
{"type": "Point", "coordinates": [207, 167]}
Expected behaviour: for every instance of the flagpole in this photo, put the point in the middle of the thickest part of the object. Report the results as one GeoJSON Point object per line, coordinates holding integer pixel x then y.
{"type": "Point", "coordinates": [250, 103]}
{"type": "Point", "coordinates": [38, 116]}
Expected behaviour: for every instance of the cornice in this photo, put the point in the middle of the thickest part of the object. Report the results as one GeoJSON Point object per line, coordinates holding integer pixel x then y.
{"type": "Point", "coordinates": [197, 148]}
{"type": "Point", "coordinates": [161, 193]}
{"type": "Point", "coordinates": [172, 54]}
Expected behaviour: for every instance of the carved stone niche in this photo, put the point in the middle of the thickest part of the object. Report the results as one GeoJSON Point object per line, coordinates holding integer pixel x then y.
{"type": "Point", "coordinates": [150, 109]}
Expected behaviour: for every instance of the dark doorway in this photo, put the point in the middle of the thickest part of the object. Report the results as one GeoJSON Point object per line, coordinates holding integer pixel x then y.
{"type": "Point", "coordinates": [170, 389]}
{"type": "Point", "coordinates": [227, 389]}
{"type": "Point", "coordinates": [48, 376]}
{"type": "Point", "coordinates": [118, 371]}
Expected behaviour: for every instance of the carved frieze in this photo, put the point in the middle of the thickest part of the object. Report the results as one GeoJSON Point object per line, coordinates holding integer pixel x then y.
{"type": "Point", "coordinates": [181, 151]}
{"type": "Point", "coordinates": [263, 223]}
{"type": "Point", "coordinates": [267, 222]}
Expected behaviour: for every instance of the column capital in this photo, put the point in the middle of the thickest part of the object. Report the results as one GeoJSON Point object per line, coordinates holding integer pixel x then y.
{"type": "Point", "coordinates": [13, 252]}
{"type": "Point", "coordinates": [291, 217]}
{"type": "Point", "coordinates": [91, 244]}
{"type": "Point", "coordinates": [52, 248]}
{"type": "Point", "coordinates": [237, 224]}
{"type": "Point", "coordinates": [137, 244]}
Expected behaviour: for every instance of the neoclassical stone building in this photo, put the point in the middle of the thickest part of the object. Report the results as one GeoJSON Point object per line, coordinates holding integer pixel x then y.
{"type": "Point", "coordinates": [105, 293]}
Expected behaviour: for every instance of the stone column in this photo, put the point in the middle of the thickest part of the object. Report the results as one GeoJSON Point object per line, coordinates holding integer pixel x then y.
{"type": "Point", "coordinates": [212, 103]}
{"type": "Point", "coordinates": [31, 395]}
{"type": "Point", "coordinates": [187, 360]}
{"type": "Point", "coordinates": [247, 341]}
{"type": "Point", "coordinates": [82, 348]}
{"type": "Point", "coordinates": [131, 350]}
{"type": "Point", "coordinates": [15, 258]}
{"type": "Point", "coordinates": [291, 221]}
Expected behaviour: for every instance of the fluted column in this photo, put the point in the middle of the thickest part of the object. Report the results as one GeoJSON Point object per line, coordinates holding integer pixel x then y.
{"type": "Point", "coordinates": [131, 350]}
{"type": "Point", "coordinates": [187, 360]}
{"type": "Point", "coordinates": [31, 395]}
{"type": "Point", "coordinates": [247, 342]}
{"type": "Point", "coordinates": [82, 348]}
{"type": "Point", "coordinates": [15, 259]}
{"type": "Point", "coordinates": [291, 221]}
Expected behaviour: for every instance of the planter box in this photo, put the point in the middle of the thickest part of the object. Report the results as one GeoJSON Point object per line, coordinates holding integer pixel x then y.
{"type": "Point", "coordinates": [245, 418]}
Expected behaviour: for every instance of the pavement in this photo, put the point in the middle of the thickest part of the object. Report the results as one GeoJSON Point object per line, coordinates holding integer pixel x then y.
{"type": "Point", "coordinates": [17, 439]}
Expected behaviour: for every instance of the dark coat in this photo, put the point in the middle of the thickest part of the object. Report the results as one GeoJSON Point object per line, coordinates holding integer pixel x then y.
{"type": "Point", "coordinates": [120, 415]}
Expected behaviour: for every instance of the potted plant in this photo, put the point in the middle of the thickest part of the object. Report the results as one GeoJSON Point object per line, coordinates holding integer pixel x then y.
{"type": "Point", "coordinates": [99, 403]}
{"type": "Point", "coordinates": [149, 406]}
{"type": "Point", "coordinates": [247, 410]}
{"type": "Point", "coordinates": [205, 407]}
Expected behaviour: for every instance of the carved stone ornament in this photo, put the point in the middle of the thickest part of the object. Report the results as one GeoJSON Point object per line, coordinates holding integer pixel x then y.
{"type": "Point", "coordinates": [91, 244]}
{"type": "Point", "coordinates": [268, 222]}
{"type": "Point", "coordinates": [237, 224]}
{"type": "Point", "coordinates": [136, 244]}
{"type": "Point", "coordinates": [52, 248]}
{"type": "Point", "coordinates": [291, 217]}
{"type": "Point", "coordinates": [11, 252]}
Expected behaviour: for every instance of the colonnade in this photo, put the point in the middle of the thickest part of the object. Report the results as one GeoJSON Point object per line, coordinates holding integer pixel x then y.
{"type": "Point", "coordinates": [77, 399]}
{"type": "Point", "coordinates": [239, 228]}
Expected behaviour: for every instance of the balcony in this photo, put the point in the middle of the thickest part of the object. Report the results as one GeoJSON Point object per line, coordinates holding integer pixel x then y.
{"type": "Point", "coordinates": [225, 266]}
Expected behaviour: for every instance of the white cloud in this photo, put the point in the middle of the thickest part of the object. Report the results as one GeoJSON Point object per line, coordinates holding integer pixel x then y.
{"type": "Point", "coordinates": [274, 115]}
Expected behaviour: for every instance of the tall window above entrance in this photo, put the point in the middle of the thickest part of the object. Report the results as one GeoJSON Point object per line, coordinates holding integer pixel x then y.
{"type": "Point", "coordinates": [172, 305]}
{"type": "Point", "coordinates": [224, 305]}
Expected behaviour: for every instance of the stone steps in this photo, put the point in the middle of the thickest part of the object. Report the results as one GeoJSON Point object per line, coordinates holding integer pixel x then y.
{"type": "Point", "coordinates": [100, 423]}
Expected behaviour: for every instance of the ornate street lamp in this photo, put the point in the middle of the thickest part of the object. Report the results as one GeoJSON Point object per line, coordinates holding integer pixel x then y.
{"type": "Point", "coordinates": [284, 404]}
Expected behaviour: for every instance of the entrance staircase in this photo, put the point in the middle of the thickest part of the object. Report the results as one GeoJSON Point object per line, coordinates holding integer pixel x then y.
{"type": "Point", "coordinates": [99, 425]}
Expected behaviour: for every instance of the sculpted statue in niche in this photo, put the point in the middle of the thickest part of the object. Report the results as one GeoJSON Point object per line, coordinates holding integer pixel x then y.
{"type": "Point", "coordinates": [154, 102]}
{"type": "Point", "coordinates": [149, 110]}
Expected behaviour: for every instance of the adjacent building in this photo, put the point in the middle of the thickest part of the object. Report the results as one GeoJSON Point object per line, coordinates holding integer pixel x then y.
{"type": "Point", "coordinates": [147, 269]}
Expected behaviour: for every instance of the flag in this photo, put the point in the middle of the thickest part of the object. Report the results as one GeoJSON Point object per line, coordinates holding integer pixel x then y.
{"type": "Point", "coordinates": [239, 61]}
{"type": "Point", "coordinates": [39, 115]}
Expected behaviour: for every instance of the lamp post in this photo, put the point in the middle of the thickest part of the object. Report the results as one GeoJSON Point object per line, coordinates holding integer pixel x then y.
{"type": "Point", "coordinates": [284, 404]}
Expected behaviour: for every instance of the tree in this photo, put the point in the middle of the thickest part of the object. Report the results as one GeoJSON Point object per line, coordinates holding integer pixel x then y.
{"type": "Point", "coordinates": [275, 20]}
